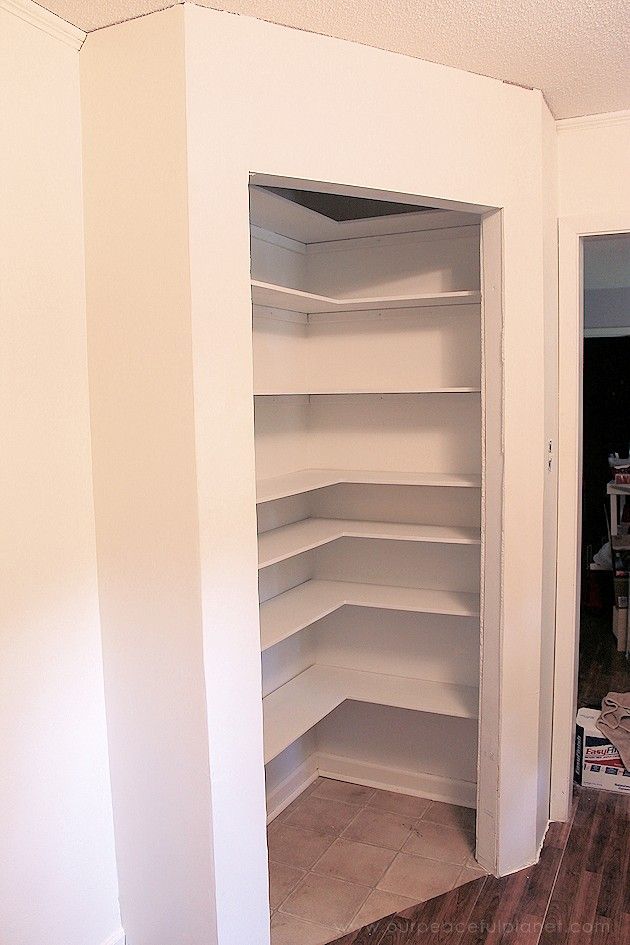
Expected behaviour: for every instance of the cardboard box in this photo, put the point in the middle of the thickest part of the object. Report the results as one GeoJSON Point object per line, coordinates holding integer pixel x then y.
{"type": "Point", "coordinates": [620, 627]}
{"type": "Point", "coordinates": [620, 580]}
{"type": "Point", "coordinates": [597, 762]}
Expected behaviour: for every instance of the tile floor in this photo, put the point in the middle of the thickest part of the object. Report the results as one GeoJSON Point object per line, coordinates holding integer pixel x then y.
{"type": "Point", "coordinates": [343, 855]}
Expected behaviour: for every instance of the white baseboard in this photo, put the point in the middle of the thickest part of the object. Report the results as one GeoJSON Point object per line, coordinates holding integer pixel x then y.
{"type": "Point", "coordinates": [285, 792]}
{"type": "Point", "coordinates": [320, 764]}
{"type": "Point", "coordinates": [386, 778]}
{"type": "Point", "coordinates": [116, 938]}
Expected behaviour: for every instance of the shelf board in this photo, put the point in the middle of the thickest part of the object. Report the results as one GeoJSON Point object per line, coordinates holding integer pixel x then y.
{"type": "Point", "coordinates": [288, 613]}
{"type": "Point", "coordinates": [278, 544]}
{"type": "Point", "coordinates": [305, 480]}
{"type": "Point", "coordinates": [365, 390]}
{"type": "Point", "coordinates": [304, 701]}
{"type": "Point", "coordinates": [294, 300]}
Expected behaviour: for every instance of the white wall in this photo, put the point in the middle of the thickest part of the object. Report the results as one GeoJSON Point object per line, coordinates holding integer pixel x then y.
{"type": "Point", "coordinates": [593, 164]}
{"type": "Point", "coordinates": [58, 869]}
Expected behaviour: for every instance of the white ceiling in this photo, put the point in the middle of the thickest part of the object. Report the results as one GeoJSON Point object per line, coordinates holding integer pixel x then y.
{"type": "Point", "coordinates": [576, 51]}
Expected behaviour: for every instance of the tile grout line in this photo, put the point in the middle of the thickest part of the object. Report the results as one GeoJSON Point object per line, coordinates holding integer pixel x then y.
{"type": "Point", "coordinates": [408, 941]}
{"type": "Point", "coordinates": [316, 925]}
{"type": "Point", "coordinates": [366, 805]}
{"type": "Point", "coordinates": [384, 810]}
{"type": "Point", "coordinates": [313, 793]}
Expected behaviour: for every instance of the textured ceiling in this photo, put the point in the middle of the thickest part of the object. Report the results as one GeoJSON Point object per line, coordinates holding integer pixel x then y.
{"type": "Point", "coordinates": [576, 51]}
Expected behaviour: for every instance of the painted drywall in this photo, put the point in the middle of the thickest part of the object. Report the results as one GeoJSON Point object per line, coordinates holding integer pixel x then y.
{"type": "Point", "coordinates": [59, 882]}
{"type": "Point", "coordinates": [308, 107]}
{"type": "Point", "coordinates": [593, 165]}
{"type": "Point", "coordinates": [141, 393]}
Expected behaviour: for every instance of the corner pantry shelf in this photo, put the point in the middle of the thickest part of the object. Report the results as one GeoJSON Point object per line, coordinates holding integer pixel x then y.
{"type": "Point", "coordinates": [306, 699]}
{"type": "Point", "coordinates": [294, 300]}
{"type": "Point", "coordinates": [290, 612]}
{"type": "Point", "coordinates": [278, 544]}
{"type": "Point", "coordinates": [305, 480]}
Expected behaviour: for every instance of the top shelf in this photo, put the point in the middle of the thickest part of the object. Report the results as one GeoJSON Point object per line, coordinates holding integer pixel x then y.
{"type": "Point", "coordinates": [294, 300]}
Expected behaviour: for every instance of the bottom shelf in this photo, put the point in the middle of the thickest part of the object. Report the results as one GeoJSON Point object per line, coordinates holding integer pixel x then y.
{"type": "Point", "coordinates": [304, 701]}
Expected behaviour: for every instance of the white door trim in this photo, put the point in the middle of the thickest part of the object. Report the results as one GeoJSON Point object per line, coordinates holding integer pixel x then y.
{"type": "Point", "coordinates": [571, 231]}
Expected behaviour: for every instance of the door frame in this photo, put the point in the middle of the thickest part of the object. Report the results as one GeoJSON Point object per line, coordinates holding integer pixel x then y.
{"type": "Point", "coordinates": [571, 233]}
{"type": "Point", "coordinates": [489, 757]}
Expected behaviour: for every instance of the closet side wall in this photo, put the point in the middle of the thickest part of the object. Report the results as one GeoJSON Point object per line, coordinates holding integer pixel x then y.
{"type": "Point", "coordinates": [143, 444]}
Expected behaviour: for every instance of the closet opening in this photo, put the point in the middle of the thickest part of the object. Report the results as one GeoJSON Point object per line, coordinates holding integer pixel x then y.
{"type": "Point", "coordinates": [591, 646]}
{"type": "Point", "coordinates": [377, 393]}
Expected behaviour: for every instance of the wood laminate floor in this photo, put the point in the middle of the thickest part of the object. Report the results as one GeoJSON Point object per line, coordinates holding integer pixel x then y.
{"type": "Point", "coordinates": [577, 894]}
{"type": "Point", "coordinates": [602, 668]}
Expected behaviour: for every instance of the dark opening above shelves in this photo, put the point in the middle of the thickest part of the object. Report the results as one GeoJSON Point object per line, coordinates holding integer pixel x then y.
{"type": "Point", "coordinates": [342, 208]}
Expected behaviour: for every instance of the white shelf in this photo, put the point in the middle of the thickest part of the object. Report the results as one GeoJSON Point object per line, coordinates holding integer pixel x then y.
{"type": "Point", "coordinates": [288, 613]}
{"type": "Point", "coordinates": [290, 540]}
{"type": "Point", "coordinates": [294, 300]}
{"type": "Point", "coordinates": [365, 390]}
{"type": "Point", "coordinates": [305, 480]}
{"type": "Point", "coordinates": [294, 708]}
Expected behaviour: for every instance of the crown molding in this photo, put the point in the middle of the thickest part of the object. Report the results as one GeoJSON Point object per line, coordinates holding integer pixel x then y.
{"type": "Point", "coordinates": [594, 121]}
{"type": "Point", "coordinates": [43, 19]}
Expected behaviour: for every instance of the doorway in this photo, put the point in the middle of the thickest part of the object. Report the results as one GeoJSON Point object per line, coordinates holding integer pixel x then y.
{"type": "Point", "coordinates": [605, 542]}
{"type": "Point", "coordinates": [594, 402]}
